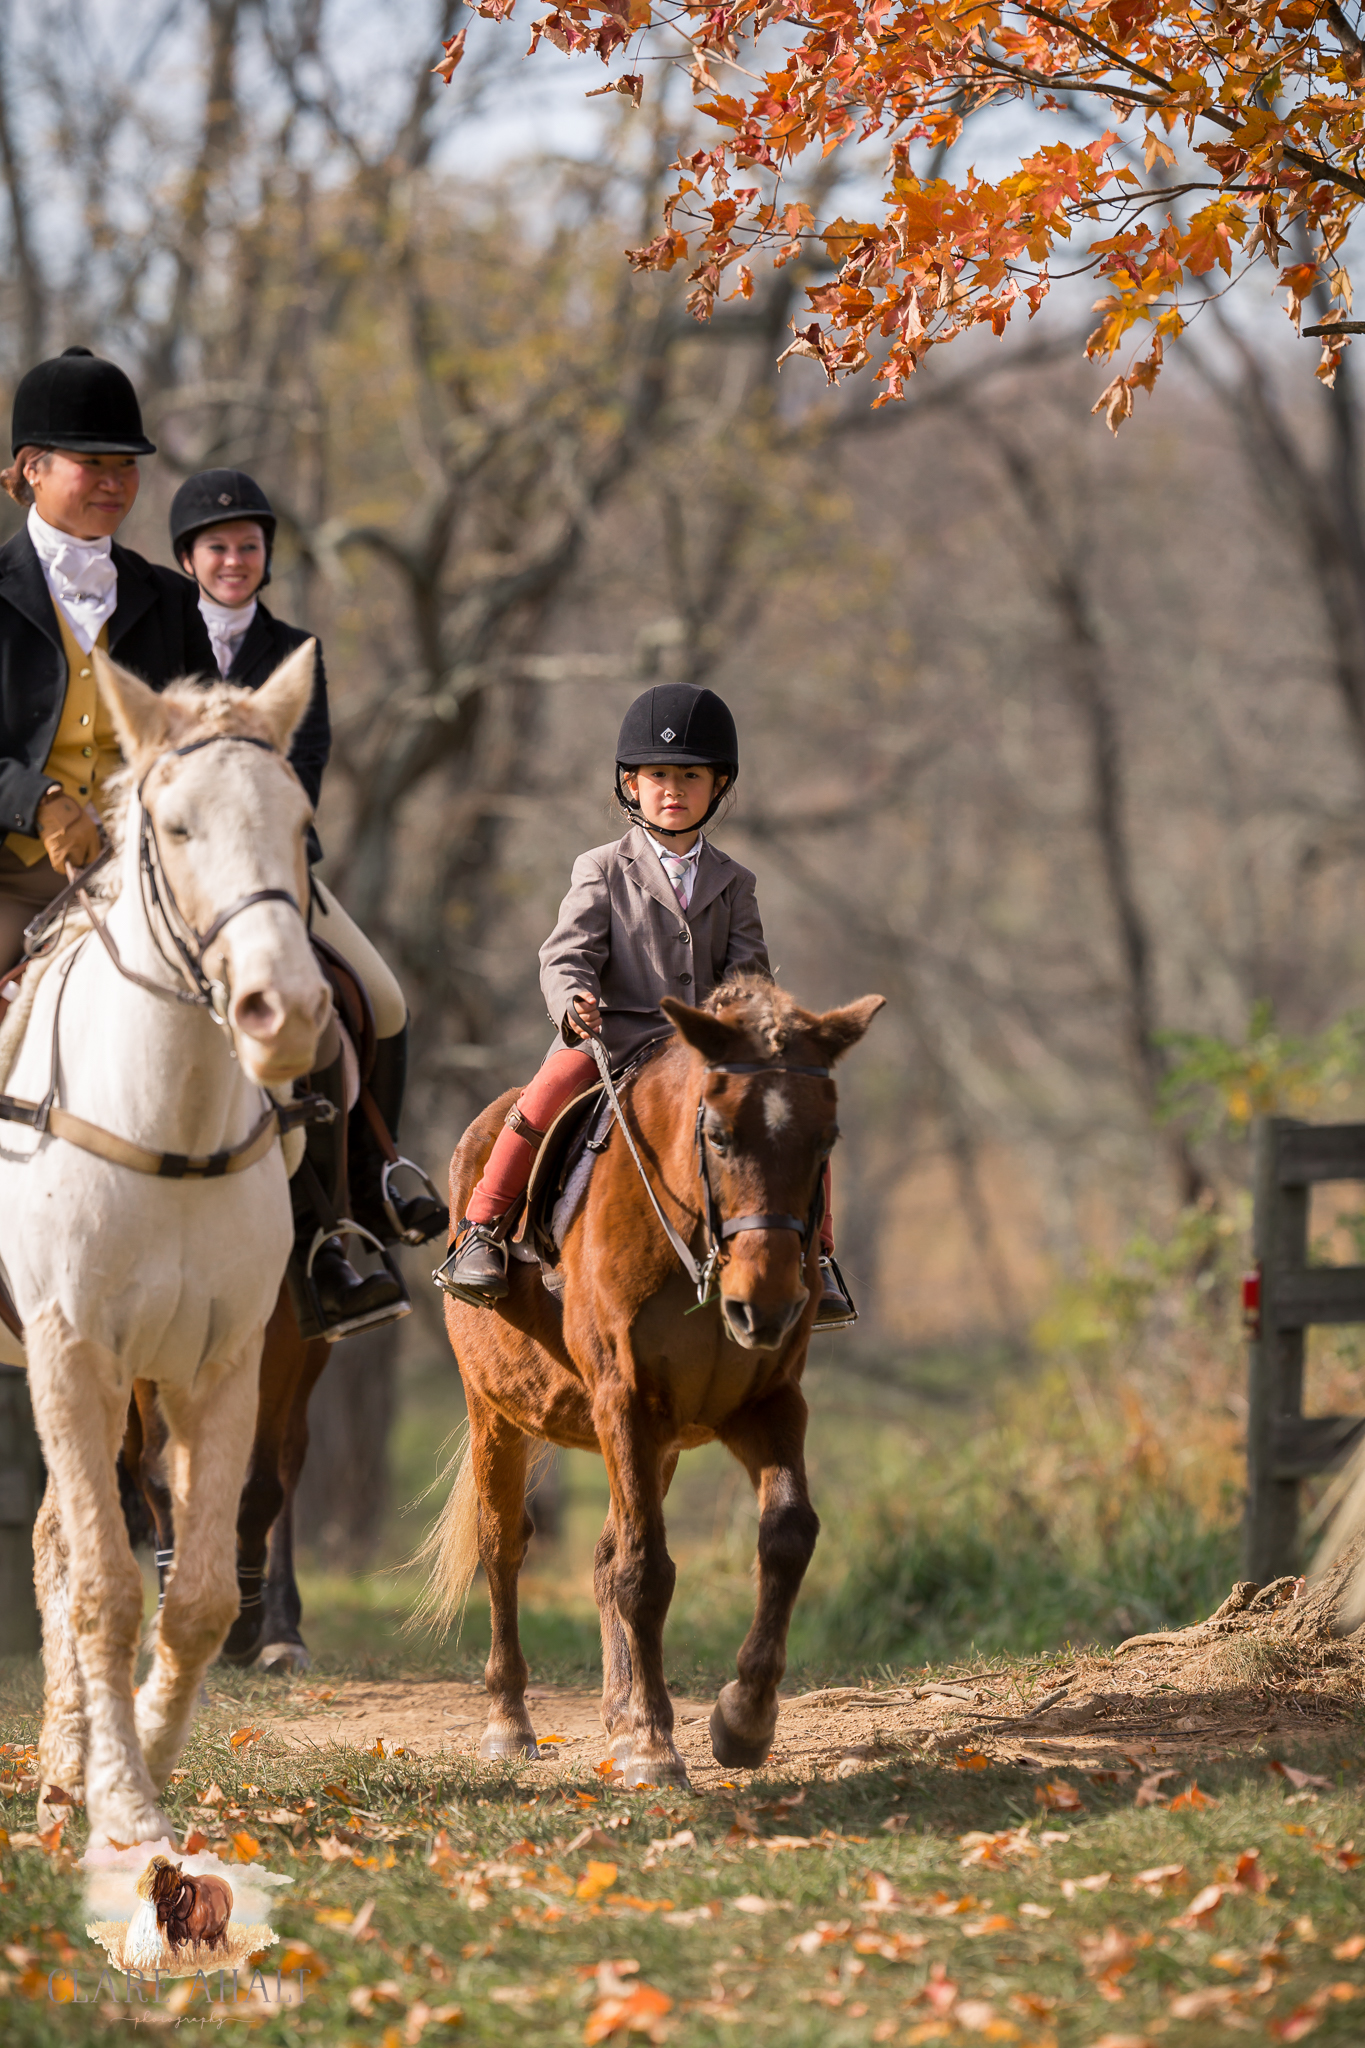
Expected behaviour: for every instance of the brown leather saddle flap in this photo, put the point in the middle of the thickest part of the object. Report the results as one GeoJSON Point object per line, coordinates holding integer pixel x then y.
{"type": "Point", "coordinates": [560, 1150]}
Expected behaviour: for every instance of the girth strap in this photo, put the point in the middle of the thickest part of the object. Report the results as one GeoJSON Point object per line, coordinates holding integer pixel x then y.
{"type": "Point", "coordinates": [74, 1130]}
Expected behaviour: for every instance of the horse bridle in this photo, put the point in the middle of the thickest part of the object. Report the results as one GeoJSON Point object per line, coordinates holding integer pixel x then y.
{"type": "Point", "coordinates": [718, 1230]}
{"type": "Point", "coordinates": [158, 895]}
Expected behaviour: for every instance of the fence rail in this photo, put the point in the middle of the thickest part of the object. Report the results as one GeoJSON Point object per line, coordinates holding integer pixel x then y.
{"type": "Point", "coordinates": [1285, 1446]}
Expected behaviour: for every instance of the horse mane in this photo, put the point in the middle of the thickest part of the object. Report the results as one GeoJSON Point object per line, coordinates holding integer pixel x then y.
{"type": "Point", "coordinates": [771, 1017]}
{"type": "Point", "coordinates": [199, 711]}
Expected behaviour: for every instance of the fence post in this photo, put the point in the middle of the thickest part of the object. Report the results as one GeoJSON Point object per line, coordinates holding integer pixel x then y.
{"type": "Point", "coordinates": [1280, 1244]}
{"type": "Point", "coordinates": [21, 1488]}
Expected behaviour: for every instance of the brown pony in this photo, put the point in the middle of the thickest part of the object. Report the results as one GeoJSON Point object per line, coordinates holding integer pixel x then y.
{"type": "Point", "coordinates": [624, 1368]}
{"type": "Point", "coordinates": [192, 1911]}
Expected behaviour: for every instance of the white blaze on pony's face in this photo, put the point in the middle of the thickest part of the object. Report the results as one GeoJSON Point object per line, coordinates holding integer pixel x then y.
{"type": "Point", "coordinates": [230, 821]}
{"type": "Point", "coordinates": [768, 1135]}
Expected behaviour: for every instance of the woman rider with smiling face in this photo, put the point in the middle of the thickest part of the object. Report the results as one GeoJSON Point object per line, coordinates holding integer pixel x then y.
{"type": "Point", "coordinates": [65, 588]}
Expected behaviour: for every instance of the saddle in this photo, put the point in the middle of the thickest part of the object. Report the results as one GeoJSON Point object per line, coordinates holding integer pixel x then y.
{"type": "Point", "coordinates": [562, 1170]}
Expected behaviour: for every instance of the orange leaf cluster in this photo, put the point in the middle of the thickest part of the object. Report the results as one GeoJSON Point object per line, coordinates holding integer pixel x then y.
{"type": "Point", "coordinates": [1267, 101]}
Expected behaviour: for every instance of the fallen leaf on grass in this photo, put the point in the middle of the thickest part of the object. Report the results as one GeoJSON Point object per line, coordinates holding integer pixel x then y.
{"type": "Point", "coordinates": [1098, 1883]}
{"type": "Point", "coordinates": [1163, 1877]}
{"type": "Point", "coordinates": [1193, 1797]}
{"type": "Point", "coordinates": [1248, 1875]}
{"type": "Point", "coordinates": [245, 1847]}
{"type": "Point", "coordinates": [1300, 1780]}
{"type": "Point", "coordinates": [1030, 1911]}
{"type": "Point", "coordinates": [749, 1902]}
{"type": "Point", "coordinates": [596, 1879]}
{"type": "Point", "coordinates": [195, 1840]}
{"type": "Point", "coordinates": [822, 1935]}
{"type": "Point", "coordinates": [334, 1916]}
{"type": "Point", "coordinates": [1347, 1951]}
{"type": "Point", "coordinates": [971, 1760]}
{"type": "Point", "coordinates": [1345, 1858]}
{"type": "Point", "coordinates": [242, 1738]}
{"type": "Point", "coordinates": [1203, 1906]}
{"type": "Point", "coordinates": [1110, 1956]}
{"type": "Point", "coordinates": [1124, 2041]}
{"type": "Point", "coordinates": [366, 1997]}
{"type": "Point", "coordinates": [300, 1955]}
{"type": "Point", "coordinates": [1193, 2005]}
{"type": "Point", "coordinates": [639, 2011]}
{"type": "Point", "coordinates": [892, 1948]}
{"type": "Point", "coordinates": [940, 1992]}
{"type": "Point", "coordinates": [1149, 1792]}
{"type": "Point", "coordinates": [979, 2016]}
{"type": "Point", "coordinates": [214, 1796]}
{"type": "Point", "coordinates": [335, 1850]}
{"type": "Point", "coordinates": [1033, 2004]}
{"type": "Point", "coordinates": [993, 1852]}
{"type": "Point", "coordinates": [1056, 1796]}
{"type": "Point", "coordinates": [1307, 2016]}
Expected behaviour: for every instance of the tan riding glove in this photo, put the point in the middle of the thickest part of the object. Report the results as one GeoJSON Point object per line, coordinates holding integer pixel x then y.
{"type": "Point", "coordinates": [68, 831]}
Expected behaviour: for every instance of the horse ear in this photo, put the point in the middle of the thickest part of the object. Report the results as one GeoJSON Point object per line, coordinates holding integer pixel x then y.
{"type": "Point", "coordinates": [141, 720]}
{"type": "Point", "coordinates": [839, 1030]}
{"type": "Point", "coordinates": [284, 698]}
{"type": "Point", "coordinates": [710, 1035]}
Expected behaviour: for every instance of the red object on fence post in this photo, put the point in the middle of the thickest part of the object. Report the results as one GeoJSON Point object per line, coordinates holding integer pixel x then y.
{"type": "Point", "coordinates": [1251, 1302]}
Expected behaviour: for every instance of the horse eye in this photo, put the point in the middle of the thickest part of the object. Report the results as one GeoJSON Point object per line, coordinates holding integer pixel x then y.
{"type": "Point", "coordinates": [176, 831]}
{"type": "Point", "coordinates": [718, 1134]}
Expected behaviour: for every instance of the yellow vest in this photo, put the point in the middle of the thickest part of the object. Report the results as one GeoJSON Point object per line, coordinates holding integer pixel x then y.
{"type": "Point", "coordinates": [85, 752]}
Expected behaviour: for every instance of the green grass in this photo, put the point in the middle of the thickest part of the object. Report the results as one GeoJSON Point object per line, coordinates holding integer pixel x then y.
{"type": "Point", "coordinates": [517, 1949]}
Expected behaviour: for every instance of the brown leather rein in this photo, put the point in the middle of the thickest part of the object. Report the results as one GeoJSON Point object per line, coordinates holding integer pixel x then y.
{"type": "Point", "coordinates": [702, 1272]}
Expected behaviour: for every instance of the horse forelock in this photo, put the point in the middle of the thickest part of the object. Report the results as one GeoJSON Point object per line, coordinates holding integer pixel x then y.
{"type": "Point", "coordinates": [770, 1019]}
{"type": "Point", "coordinates": [199, 711]}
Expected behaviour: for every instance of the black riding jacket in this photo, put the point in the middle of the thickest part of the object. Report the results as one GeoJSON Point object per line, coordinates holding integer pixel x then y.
{"type": "Point", "coordinates": [155, 630]}
{"type": "Point", "coordinates": [265, 644]}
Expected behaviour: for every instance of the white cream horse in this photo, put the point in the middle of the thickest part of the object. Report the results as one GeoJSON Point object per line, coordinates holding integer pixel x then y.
{"type": "Point", "coordinates": [120, 1274]}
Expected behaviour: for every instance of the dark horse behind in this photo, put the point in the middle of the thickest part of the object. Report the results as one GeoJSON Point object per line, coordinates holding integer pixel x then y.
{"type": "Point", "coordinates": [734, 1119]}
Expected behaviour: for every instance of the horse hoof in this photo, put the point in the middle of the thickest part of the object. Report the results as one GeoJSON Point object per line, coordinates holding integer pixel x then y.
{"type": "Point", "coordinates": [142, 1824]}
{"type": "Point", "coordinates": [733, 1751]}
{"type": "Point", "coordinates": [502, 1742]}
{"type": "Point", "coordinates": [240, 1655]}
{"type": "Point", "coordinates": [282, 1658]}
{"type": "Point", "coordinates": [636, 1770]}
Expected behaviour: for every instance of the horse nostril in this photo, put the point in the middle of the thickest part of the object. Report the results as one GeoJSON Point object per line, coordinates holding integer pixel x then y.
{"type": "Point", "coordinates": [257, 1014]}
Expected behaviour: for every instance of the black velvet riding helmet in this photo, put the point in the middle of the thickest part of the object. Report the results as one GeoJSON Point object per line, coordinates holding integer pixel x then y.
{"type": "Point", "coordinates": [680, 724]}
{"type": "Point", "coordinates": [78, 402]}
{"type": "Point", "coordinates": [213, 498]}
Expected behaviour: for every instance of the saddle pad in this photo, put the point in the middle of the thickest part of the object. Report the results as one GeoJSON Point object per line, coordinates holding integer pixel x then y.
{"type": "Point", "coordinates": [579, 1160]}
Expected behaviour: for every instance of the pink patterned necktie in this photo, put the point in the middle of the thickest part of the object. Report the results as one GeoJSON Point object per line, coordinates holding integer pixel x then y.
{"type": "Point", "coordinates": [679, 870]}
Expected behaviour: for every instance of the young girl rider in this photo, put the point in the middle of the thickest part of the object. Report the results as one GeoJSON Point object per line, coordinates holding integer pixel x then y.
{"type": "Point", "coordinates": [222, 533]}
{"type": "Point", "coordinates": [660, 912]}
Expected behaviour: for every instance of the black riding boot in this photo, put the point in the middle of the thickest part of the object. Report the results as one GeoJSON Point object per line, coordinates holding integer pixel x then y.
{"type": "Point", "coordinates": [330, 1298]}
{"type": "Point", "coordinates": [379, 1207]}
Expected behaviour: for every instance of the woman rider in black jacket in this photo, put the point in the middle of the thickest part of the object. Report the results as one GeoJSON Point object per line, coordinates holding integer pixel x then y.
{"type": "Point", "coordinates": [65, 587]}
{"type": "Point", "coordinates": [222, 534]}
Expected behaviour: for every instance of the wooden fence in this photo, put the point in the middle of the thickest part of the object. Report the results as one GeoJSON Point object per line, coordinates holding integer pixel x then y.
{"type": "Point", "coordinates": [1283, 1298]}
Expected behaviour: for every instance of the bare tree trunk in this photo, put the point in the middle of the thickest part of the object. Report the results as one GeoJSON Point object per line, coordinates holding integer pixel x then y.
{"type": "Point", "coordinates": [1088, 681]}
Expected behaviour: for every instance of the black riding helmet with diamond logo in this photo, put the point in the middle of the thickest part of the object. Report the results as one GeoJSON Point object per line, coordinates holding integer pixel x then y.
{"type": "Point", "coordinates": [677, 724]}
{"type": "Point", "coordinates": [215, 497]}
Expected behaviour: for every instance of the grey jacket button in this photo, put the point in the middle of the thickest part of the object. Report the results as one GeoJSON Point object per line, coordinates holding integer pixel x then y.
{"type": "Point", "coordinates": [686, 980]}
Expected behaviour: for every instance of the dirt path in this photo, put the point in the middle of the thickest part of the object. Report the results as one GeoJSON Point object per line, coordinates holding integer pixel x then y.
{"type": "Point", "coordinates": [1108, 1714]}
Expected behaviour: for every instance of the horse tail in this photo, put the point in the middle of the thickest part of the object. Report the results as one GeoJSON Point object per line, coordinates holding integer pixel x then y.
{"type": "Point", "coordinates": [451, 1551]}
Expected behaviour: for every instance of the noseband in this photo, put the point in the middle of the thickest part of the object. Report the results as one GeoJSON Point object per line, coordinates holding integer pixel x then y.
{"type": "Point", "coordinates": [717, 1230]}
